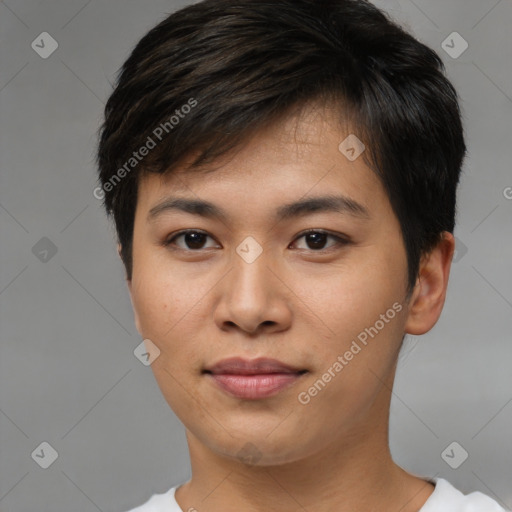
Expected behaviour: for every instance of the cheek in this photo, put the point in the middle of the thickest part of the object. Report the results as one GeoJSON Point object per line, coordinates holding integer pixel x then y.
{"type": "Point", "coordinates": [158, 314]}
{"type": "Point", "coordinates": [152, 291]}
{"type": "Point", "coordinates": [362, 303]}
{"type": "Point", "coordinates": [168, 307]}
{"type": "Point", "coordinates": [152, 299]}
{"type": "Point", "coordinates": [352, 298]}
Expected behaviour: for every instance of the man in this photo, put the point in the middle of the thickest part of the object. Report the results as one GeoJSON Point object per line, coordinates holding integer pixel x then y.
{"type": "Point", "coordinates": [283, 179]}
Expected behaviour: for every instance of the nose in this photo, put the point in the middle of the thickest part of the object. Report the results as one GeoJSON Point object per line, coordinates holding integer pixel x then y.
{"type": "Point", "coordinates": [253, 298]}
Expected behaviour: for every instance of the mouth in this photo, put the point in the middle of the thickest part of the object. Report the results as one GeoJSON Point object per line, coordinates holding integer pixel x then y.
{"type": "Point", "coordinates": [253, 380]}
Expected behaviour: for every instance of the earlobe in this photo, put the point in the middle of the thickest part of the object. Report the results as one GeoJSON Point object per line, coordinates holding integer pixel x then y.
{"type": "Point", "coordinates": [119, 248]}
{"type": "Point", "coordinates": [137, 321]}
{"type": "Point", "coordinates": [427, 299]}
{"type": "Point", "coordinates": [135, 313]}
{"type": "Point", "coordinates": [130, 291]}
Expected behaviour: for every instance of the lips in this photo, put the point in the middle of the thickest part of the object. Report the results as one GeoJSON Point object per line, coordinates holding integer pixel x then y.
{"type": "Point", "coordinates": [253, 379]}
{"type": "Point", "coordinates": [260, 366]}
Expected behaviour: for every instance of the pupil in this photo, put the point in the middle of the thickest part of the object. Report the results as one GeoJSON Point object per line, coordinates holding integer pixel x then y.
{"type": "Point", "coordinates": [193, 240]}
{"type": "Point", "coordinates": [318, 240]}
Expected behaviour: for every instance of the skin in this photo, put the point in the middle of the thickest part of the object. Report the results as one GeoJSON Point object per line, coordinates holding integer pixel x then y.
{"type": "Point", "coordinates": [298, 302]}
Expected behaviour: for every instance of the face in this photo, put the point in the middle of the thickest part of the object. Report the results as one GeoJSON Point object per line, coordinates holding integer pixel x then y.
{"type": "Point", "coordinates": [251, 282]}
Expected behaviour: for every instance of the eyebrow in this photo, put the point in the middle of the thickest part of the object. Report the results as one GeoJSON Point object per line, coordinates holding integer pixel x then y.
{"type": "Point", "coordinates": [329, 203]}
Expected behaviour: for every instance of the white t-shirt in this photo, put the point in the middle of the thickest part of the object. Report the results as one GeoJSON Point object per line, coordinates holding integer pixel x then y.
{"type": "Point", "coordinates": [445, 498]}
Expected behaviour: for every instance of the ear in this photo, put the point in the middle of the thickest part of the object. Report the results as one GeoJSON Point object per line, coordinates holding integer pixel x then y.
{"type": "Point", "coordinates": [130, 290]}
{"type": "Point", "coordinates": [119, 247]}
{"type": "Point", "coordinates": [428, 296]}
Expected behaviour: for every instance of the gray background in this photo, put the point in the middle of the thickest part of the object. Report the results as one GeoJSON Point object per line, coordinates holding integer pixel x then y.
{"type": "Point", "coordinates": [68, 375]}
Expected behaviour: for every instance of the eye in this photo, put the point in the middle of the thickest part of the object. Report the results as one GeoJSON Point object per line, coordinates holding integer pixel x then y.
{"type": "Point", "coordinates": [316, 239]}
{"type": "Point", "coordinates": [194, 240]}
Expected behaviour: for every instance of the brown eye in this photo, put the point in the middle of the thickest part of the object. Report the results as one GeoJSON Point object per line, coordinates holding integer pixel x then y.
{"type": "Point", "coordinates": [316, 240]}
{"type": "Point", "coordinates": [192, 240]}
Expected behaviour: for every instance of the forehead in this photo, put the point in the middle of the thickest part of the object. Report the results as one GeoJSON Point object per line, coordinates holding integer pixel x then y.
{"type": "Point", "coordinates": [300, 155]}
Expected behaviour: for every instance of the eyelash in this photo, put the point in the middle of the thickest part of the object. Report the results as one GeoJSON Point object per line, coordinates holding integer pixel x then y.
{"type": "Point", "coordinates": [340, 241]}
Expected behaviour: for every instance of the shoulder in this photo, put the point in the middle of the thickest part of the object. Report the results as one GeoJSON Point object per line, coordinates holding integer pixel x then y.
{"type": "Point", "coordinates": [164, 502]}
{"type": "Point", "coordinates": [447, 498]}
